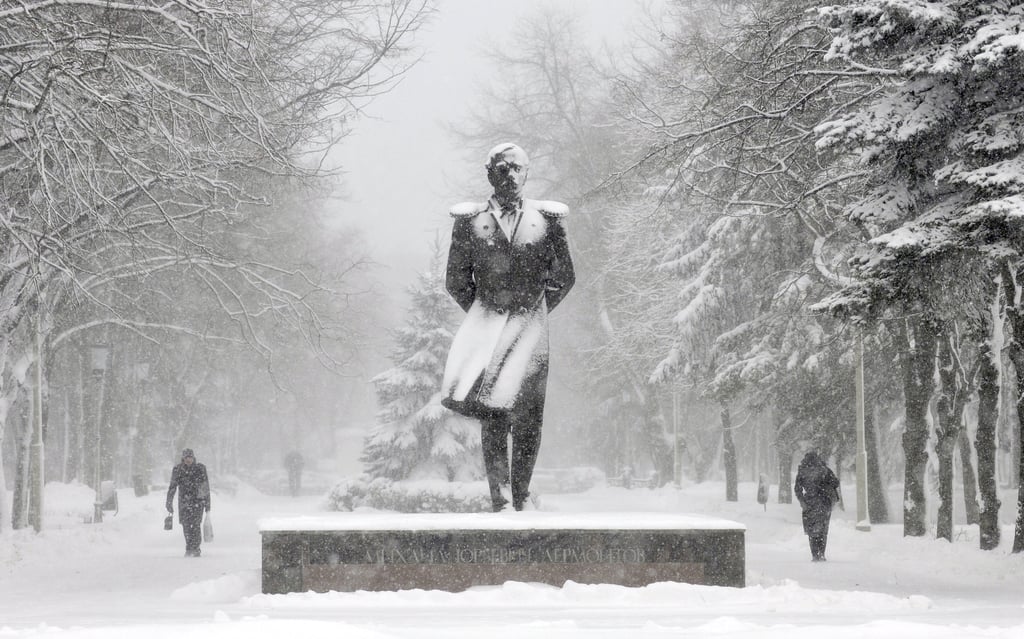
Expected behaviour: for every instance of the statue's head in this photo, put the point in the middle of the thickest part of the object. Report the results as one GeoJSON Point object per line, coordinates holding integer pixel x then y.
{"type": "Point", "coordinates": [507, 166]}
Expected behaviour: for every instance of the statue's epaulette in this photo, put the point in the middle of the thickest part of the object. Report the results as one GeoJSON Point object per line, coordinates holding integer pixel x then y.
{"type": "Point", "coordinates": [550, 208]}
{"type": "Point", "coordinates": [467, 209]}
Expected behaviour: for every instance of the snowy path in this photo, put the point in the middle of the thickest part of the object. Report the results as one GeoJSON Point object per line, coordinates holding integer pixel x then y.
{"type": "Point", "coordinates": [958, 579]}
{"type": "Point", "coordinates": [127, 577]}
{"type": "Point", "coordinates": [129, 570]}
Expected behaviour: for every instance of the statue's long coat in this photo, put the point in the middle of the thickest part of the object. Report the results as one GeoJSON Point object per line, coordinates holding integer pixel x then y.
{"type": "Point", "coordinates": [499, 357]}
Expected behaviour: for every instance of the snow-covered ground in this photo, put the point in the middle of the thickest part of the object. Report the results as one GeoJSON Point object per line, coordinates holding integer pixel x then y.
{"type": "Point", "coordinates": [127, 577]}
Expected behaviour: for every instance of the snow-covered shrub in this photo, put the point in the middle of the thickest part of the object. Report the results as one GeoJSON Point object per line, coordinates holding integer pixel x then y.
{"type": "Point", "coordinates": [347, 495]}
{"type": "Point", "coordinates": [428, 496]}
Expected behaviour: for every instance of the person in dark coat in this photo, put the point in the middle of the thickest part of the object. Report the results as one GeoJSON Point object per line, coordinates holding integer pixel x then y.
{"type": "Point", "coordinates": [508, 267]}
{"type": "Point", "coordinates": [190, 480]}
{"type": "Point", "coordinates": [817, 490]}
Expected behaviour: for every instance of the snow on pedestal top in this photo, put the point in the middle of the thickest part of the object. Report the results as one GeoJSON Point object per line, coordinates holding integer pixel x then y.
{"type": "Point", "coordinates": [529, 520]}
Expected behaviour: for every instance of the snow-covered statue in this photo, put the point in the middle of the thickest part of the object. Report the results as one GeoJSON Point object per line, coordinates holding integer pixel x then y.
{"type": "Point", "coordinates": [508, 267]}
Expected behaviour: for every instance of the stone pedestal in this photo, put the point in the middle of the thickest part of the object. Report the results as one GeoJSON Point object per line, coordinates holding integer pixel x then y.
{"type": "Point", "coordinates": [452, 552]}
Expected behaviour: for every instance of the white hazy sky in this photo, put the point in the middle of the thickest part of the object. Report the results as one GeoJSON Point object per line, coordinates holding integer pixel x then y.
{"type": "Point", "coordinates": [402, 169]}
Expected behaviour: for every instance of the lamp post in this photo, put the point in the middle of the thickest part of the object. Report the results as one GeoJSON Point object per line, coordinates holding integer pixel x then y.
{"type": "Point", "coordinates": [37, 453]}
{"type": "Point", "coordinates": [98, 354]}
{"type": "Point", "coordinates": [677, 475]}
{"type": "Point", "coordinates": [140, 376]}
{"type": "Point", "coordinates": [863, 521]}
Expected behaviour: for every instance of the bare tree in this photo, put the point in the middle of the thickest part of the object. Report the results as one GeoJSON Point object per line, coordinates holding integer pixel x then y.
{"type": "Point", "coordinates": [134, 137]}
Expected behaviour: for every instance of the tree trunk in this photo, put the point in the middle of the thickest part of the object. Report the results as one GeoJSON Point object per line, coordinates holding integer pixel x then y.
{"type": "Point", "coordinates": [878, 506]}
{"type": "Point", "coordinates": [786, 476]}
{"type": "Point", "coordinates": [657, 441]}
{"type": "Point", "coordinates": [65, 461]}
{"type": "Point", "coordinates": [1015, 343]}
{"type": "Point", "coordinates": [1016, 451]}
{"type": "Point", "coordinates": [985, 445]}
{"type": "Point", "coordinates": [729, 457]}
{"type": "Point", "coordinates": [4, 506]}
{"type": "Point", "coordinates": [1006, 421]}
{"type": "Point", "coordinates": [784, 448]}
{"type": "Point", "coordinates": [956, 387]}
{"type": "Point", "coordinates": [1018, 532]}
{"type": "Point", "coordinates": [839, 476]}
{"type": "Point", "coordinates": [22, 468]}
{"type": "Point", "coordinates": [944, 526]}
{"type": "Point", "coordinates": [947, 432]}
{"type": "Point", "coordinates": [969, 478]}
{"type": "Point", "coordinates": [918, 362]}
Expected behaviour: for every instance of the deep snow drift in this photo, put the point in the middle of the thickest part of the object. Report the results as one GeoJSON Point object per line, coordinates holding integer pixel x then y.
{"type": "Point", "coordinates": [127, 577]}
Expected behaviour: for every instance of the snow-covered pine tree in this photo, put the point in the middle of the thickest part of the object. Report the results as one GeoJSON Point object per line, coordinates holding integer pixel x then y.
{"type": "Point", "coordinates": [416, 437]}
{"type": "Point", "coordinates": [946, 149]}
{"type": "Point", "coordinates": [758, 232]}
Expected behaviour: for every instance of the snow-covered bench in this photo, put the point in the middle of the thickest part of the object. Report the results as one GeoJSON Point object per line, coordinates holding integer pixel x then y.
{"type": "Point", "coordinates": [452, 552]}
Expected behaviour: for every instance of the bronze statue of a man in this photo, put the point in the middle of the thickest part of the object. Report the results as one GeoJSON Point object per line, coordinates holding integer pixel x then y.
{"type": "Point", "coordinates": [508, 267]}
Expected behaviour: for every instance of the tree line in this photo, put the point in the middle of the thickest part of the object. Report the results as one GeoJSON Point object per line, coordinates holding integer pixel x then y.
{"type": "Point", "coordinates": [161, 264]}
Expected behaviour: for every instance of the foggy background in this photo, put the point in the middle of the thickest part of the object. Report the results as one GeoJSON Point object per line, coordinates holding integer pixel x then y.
{"type": "Point", "coordinates": [180, 269]}
{"type": "Point", "coordinates": [401, 167]}
{"type": "Point", "coordinates": [404, 168]}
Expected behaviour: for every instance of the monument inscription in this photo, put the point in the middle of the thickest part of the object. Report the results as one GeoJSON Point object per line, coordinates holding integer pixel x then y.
{"type": "Point", "coordinates": [456, 559]}
{"type": "Point", "coordinates": [473, 555]}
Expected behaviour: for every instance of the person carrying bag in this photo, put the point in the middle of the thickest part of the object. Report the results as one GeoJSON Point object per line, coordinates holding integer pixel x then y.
{"type": "Point", "coordinates": [190, 481]}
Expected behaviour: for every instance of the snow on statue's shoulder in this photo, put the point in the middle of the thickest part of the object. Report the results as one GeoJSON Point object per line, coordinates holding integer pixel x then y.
{"type": "Point", "coordinates": [467, 209]}
{"type": "Point", "coordinates": [552, 208]}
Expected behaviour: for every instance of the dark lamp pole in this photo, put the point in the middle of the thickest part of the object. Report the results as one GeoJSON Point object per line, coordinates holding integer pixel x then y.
{"type": "Point", "coordinates": [98, 354]}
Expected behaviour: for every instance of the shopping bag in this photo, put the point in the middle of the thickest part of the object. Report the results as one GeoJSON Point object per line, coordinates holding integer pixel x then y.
{"type": "Point", "coordinates": [207, 528]}
{"type": "Point", "coordinates": [168, 522]}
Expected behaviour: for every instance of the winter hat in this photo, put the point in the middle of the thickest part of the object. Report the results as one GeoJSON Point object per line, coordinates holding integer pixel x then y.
{"type": "Point", "coordinates": [187, 453]}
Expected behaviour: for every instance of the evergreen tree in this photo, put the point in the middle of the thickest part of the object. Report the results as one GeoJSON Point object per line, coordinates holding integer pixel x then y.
{"type": "Point", "coordinates": [416, 437]}
{"type": "Point", "coordinates": [944, 146]}
{"type": "Point", "coordinates": [731, 155]}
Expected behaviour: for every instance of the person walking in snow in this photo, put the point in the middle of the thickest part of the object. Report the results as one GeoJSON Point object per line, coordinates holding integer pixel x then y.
{"type": "Point", "coordinates": [508, 267]}
{"type": "Point", "coordinates": [817, 490]}
{"type": "Point", "coordinates": [293, 463]}
{"type": "Point", "coordinates": [190, 480]}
